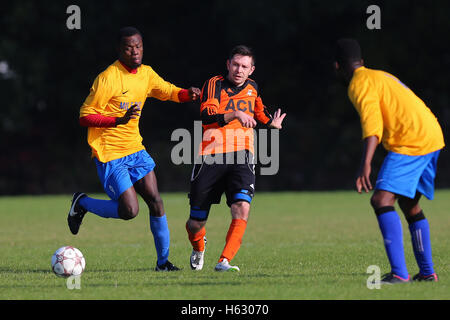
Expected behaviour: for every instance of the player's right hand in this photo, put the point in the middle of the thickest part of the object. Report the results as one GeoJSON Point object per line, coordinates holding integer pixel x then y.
{"type": "Point", "coordinates": [363, 179]}
{"type": "Point", "coordinates": [132, 113]}
{"type": "Point", "coordinates": [246, 120]}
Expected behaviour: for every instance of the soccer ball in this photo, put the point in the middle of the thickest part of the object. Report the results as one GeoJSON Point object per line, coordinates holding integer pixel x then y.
{"type": "Point", "coordinates": [68, 261]}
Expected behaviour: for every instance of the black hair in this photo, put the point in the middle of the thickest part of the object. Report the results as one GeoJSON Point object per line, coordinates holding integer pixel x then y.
{"type": "Point", "coordinates": [347, 50]}
{"type": "Point", "coordinates": [127, 32]}
{"type": "Point", "coordinates": [243, 51]}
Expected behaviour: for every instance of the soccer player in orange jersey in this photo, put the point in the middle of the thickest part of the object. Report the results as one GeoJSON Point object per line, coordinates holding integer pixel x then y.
{"type": "Point", "coordinates": [230, 107]}
{"type": "Point", "coordinates": [112, 112]}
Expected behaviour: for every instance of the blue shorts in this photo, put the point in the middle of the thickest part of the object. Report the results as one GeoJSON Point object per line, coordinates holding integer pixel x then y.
{"type": "Point", "coordinates": [405, 175]}
{"type": "Point", "coordinates": [121, 174]}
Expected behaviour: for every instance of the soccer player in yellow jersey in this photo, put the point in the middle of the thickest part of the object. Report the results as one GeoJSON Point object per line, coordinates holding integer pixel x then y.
{"type": "Point", "coordinates": [393, 115]}
{"type": "Point", "coordinates": [111, 112]}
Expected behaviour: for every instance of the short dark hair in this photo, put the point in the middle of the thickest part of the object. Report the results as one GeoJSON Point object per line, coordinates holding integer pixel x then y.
{"type": "Point", "coordinates": [243, 51]}
{"type": "Point", "coordinates": [347, 51]}
{"type": "Point", "coordinates": [127, 32]}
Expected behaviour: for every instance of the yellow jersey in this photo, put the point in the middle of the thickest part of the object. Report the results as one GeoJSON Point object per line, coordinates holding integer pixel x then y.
{"type": "Point", "coordinates": [389, 110]}
{"type": "Point", "coordinates": [113, 92]}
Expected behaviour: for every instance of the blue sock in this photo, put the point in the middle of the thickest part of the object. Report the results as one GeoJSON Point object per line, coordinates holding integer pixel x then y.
{"type": "Point", "coordinates": [420, 237]}
{"type": "Point", "coordinates": [102, 208]}
{"type": "Point", "coordinates": [161, 235]}
{"type": "Point", "coordinates": [391, 228]}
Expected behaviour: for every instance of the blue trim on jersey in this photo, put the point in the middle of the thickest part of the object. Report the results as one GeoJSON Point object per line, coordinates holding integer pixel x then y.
{"type": "Point", "coordinates": [405, 175]}
{"type": "Point", "coordinates": [121, 174]}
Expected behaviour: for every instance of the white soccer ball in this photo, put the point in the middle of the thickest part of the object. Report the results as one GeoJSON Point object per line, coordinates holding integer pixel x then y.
{"type": "Point", "coordinates": [68, 261]}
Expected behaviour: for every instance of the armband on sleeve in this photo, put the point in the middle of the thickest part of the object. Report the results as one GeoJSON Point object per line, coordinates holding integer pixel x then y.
{"type": "Point", "coordinates": [97, 120]}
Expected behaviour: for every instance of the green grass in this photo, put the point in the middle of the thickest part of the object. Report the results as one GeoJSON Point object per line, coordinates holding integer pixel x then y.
{"type": "Point", "coordinates": [297, 246]}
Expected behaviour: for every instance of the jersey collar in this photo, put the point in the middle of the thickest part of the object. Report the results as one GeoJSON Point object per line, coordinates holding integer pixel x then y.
{"type": "Point", "coordinates": [231, 89]}
{"type": "Point", "coordinates": [130, 70]}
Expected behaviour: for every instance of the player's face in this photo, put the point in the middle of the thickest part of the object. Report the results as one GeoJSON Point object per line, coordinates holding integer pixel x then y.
{"type": "Point", "coordinates": [131, 51]}
{"type": "Point", "coordinates": [239, 69]}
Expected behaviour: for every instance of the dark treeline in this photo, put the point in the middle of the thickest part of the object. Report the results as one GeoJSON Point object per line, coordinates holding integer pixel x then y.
{"type": "Point", "coordinates": [46, 71]}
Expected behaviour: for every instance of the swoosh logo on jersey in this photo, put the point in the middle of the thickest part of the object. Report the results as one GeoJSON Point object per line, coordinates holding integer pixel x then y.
{"type": "Point", "coordinates": [124, 92]}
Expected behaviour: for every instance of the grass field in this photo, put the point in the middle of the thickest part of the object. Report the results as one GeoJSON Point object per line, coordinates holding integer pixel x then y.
{"type": "Point", "coordinates": [297, 246]}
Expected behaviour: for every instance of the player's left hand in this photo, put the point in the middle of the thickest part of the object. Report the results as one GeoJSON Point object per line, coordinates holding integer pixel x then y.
{"type": "Point", "coordinates": [194, 93]}
{"type": "Point", "coordinates": [277, 119]}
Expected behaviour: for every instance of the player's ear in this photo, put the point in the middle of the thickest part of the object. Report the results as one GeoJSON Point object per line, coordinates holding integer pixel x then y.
{"type": "Point", "coordinates": [251, 70]}
{"type": "Point", "coordinates": [228, 64]}
{"type": "Point", "coordinates": [336, 65]}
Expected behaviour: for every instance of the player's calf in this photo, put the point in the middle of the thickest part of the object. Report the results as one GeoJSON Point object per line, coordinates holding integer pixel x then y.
{"type": "Point", "coordinates": [381, 198]}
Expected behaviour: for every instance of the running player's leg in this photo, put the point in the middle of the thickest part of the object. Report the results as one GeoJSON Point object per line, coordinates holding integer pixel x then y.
{"type": "Point", "coordinates": [239, 216]}
{"type": "Point", "coordinates": [117, 183]}
{"type": "Point", "coordinates": [240, 188]}
{"type": "Point", "coordinates": [147, 188]}
{"type": "Point", "coordinates": [197, 237]}
{"type": "Point", "coordinates": [206, 188]}
{"type": "Point", "coordinates": [195, 227]}
{"type": "Point", "coordinates": [118, 186]}
{"type": "Point", "coordinates": [126, 207]}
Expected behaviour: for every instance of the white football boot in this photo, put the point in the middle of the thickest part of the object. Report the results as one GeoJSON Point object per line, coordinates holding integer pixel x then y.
{"type": "Point", "coordinates": [224, 265]}
{"type": "Point", "coordinates": [197, 258]}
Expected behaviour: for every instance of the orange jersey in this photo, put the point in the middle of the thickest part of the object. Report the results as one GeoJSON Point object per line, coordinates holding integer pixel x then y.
{"type": "Point", "coordinates": [220, 96]}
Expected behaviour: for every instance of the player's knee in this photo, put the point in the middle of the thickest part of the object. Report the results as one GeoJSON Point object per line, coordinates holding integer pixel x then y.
{"type": "Point", "coordinates": [240, 210]}
{"type": "Point", "coordinates": [409, 207]}
{"type": "Point", "coordinates": [241, 205]}
{"type": "Point", "coordinates": [129, 211]}
{"type": "Point", "coordinates": [375, 202]}
{"type": "Point", "coordinates": [195, 226]}
{"type": "Point", "coordinates": [381, 199]}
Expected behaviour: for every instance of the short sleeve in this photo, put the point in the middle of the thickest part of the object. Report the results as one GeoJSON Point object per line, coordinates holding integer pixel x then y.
{"type": "Point", "coordinates": [363, 94]}
{"type": "Point", "coordinates": [99, 96]}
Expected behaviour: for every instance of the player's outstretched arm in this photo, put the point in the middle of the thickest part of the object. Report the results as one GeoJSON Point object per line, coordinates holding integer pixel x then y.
{"type": "Point", "coordinates": [188, 95]}
{"type": "Point", "coordinates": [277, 119]}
